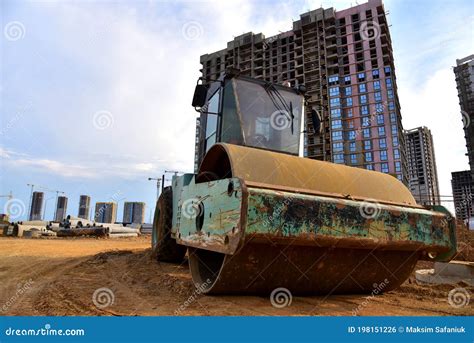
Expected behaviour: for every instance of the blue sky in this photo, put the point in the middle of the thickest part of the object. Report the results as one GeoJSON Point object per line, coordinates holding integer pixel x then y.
{"type": "Point", "coordinates": [95, 96]}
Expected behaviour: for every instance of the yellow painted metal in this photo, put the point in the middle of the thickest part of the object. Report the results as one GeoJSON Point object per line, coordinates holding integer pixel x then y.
{"type": "Point", "coordinates": [287, 172]}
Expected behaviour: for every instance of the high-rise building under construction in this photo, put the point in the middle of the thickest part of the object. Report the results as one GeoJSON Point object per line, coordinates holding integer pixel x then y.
{"type": "Point", "coordinates": [345, 60]}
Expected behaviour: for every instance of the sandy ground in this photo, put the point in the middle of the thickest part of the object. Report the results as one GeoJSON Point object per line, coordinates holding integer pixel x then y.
{"type": "Point", "coordinates": [60, 276]}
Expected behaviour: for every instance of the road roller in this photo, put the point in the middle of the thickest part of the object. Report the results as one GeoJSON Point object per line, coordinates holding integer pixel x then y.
{"type": "Point", "coordinates": [256, 216]}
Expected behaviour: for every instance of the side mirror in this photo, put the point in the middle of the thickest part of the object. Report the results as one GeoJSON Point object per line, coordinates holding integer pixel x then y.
{"type": "Point", "coordinates": [200, 94]}
{"type": "Point", "coordinates": [316, 120]}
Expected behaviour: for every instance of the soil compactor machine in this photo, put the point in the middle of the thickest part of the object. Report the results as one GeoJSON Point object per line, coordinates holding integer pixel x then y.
{"type": "Point", "coordinates": [256, 216]}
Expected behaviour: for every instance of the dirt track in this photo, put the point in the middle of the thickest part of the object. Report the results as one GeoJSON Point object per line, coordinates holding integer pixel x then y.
{"type": "Point", "coordinates": [60, 276]}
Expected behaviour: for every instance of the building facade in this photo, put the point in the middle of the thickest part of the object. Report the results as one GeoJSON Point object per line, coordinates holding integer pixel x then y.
{"type": "Point", "coordinates": [462, 192]}
{"type": "Point", "coordinates": [345, 60]}
{"type": "Point", "coordinates": [463, 181]}
{"type": "Point", "coordinates": [61, 209]}
{"type": "Point", "coordinates": [464, 72]}
{"type": "Point", "coordinates": [422, 172]}
{"type": "Point", "coordinates": [134, 212]}
{"type": "Point", "coordinates": [105, 212]}
{"type": "Point", "coordinates": [36, 209]}
{"type": "Point", "coordinates": [84, 206]}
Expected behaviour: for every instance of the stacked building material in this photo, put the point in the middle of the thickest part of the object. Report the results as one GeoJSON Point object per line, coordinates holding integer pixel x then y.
{"type": "Point", "coordinates": [119, 230]}
{"type": "Point", "coordinates": [95, 231]}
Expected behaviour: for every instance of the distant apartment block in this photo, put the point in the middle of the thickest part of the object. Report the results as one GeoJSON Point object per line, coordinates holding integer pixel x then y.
{"type": "Point", "coordinates": [61, 209]}
{"type": "Point", "coordinates": [464, 71]}
{"type": "Point", "coordinates": [36, 209]}
{"type": "Point", "coordinates": [345, 60]}
{"type": "Point", "coordinates": [463, 192]}
{"type": "Point", "coordinates": [422, 173]}
{"type": "Point", "coordinates": [105, 212]}
{"type": "Point", "coordinates": [134, 212]}
{"type": "Point", "coordinates": [84, 206]}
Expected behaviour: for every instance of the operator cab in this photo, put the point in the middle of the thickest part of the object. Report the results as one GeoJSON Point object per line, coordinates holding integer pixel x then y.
{"type": "Point", "coordinates": [244, 111]}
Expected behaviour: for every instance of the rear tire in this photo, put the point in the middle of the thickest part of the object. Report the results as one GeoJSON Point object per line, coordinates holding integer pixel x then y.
{"type": "Point", "coordinates": [164, 246]}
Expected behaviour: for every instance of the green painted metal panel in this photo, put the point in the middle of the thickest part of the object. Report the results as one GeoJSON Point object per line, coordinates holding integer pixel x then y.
{"type": "Point", "coordinates": [284, 214]}
{"type": "Point", "coordinates": [208, 215]}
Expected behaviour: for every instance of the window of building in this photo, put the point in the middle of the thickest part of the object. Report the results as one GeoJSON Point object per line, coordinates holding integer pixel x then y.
{"type": "Point", "coordinates": [384, 167]}
{"type": "Point", "coordinates": [348, 112]}
{"type": "Point", "coordinates": [348, 102]}
{"type": "Point", "coordinates": [376, 85]}
{"type": "Point", "coordinates": [388, 71]}
{"type": "Point", "coordinates": [395, 140]}
{"type": "Point", "coordinates": [351, 135]}
{"type": "Point", "coordinates": [381, 130]}
{"type": "Point", "coordinates": [363, 99]}
{"type": "Point", "coordinates": [338, 158]}
{"type": "Point", "coordinates": [383, 155]}
{"type": "Point", "coordinates": [378, 96]}
{"type": "Point", "coordinates": [391, 106]}
{"type": "Point", "coordinates": [393, 117]}
{"type": "Point", "coordinates": [336, 113]}
{"type": "Point", "coordinates": [369, 167]}
{"type": "Point", "coordinates": [361, 77]}
{"type": "Point", "coordinates": [333, 80]}
{"type": "Point", "coordinates": [353, 158]}
{"type": "Point", "coordinates": [347, 80]}
{"type": "Point", "coordinates": [399, 176]}
{"type": "Point", "coordinates": [380, 119]}
{"type": "Point", "coordinates": [333, 91]}
{"type": "Point", "coordinates": [368, 157]}
{"type": "Point", "coordinates": [336, 124]}
{"type": "Point", "coordinates": [337, 135]}
{"type": "Point", "coordinates": [382, 143]}
{"type": "Point", "coordinates": [366, 133]}
{"type": "Point", "coordinates": [398, 167]}
{"type": "Point", "coordinates": [365, 121]}
{"type": "Point", "coordinates": [388, 82]}
{"type": "Point", "coordinates": [347, 91]}
{"type": "Point", "coordinates": [375, 74]}
{"type": "Point", "coordinates": [362, 88]}
{"type": "Point", "coordinates": [379, 107]}
{"type": "Point", "coordinates": [396, 154]}
{"type": "Point", "coordinates": [352, 146]}
{"type": "Point", "coordinates": [338, 147]}
{"type": "Point", "coordinates": [394, 129]}
{"type": "Point", "coordinates": [335, 102]}
{"type": "Point", "coordinates": [364, 110]}
{"type": "Point", "coordinates": [390, 93]}
{"type": "Point", "coordinates": [368, 144]}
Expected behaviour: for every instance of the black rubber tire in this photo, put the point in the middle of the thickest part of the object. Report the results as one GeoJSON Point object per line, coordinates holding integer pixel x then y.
{"type": "Point", "coordinates": [165, 247]}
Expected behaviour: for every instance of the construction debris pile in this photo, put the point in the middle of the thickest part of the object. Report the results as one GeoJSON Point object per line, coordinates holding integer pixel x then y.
{"type": "Point", "coordinates": [72, 227]}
